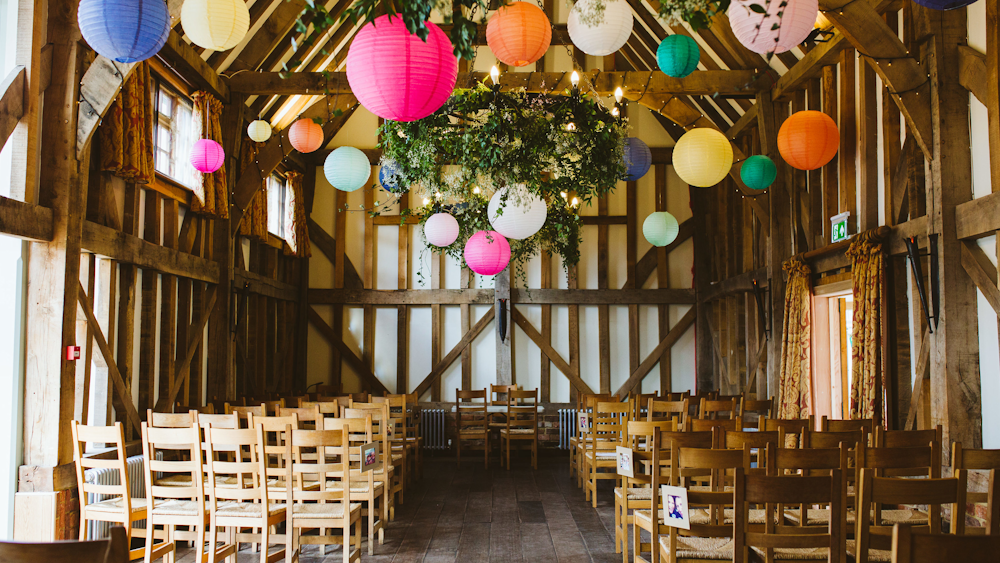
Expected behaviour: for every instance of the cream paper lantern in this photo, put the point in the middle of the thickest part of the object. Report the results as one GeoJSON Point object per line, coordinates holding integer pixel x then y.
{"type": "Point", "coordinates": [259, 131]}
{"type": "Point", "coordinates": [520, 216]}
{"type": "Point", "coordinates": [607, 36]}
{"type": "Point", "coordinates": [703, 157]}
{"type": "Point", "coordinates": [218, 25]}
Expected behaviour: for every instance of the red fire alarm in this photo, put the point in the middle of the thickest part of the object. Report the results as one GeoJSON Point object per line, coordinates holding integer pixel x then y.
{"type": "Point", "coordinates": [72, 353]}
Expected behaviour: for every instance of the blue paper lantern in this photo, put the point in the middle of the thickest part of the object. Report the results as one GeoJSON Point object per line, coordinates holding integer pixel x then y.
{"type": "Point", "coordinates": [944, 4]}
{"type": "Point", "coordinates": [126, 31]}
{"type": "Point", "coordinates": [678, 55]}
{"type": "Point", "coordinates": [637, 158]}
{"type": "Point", "coordinates": [758, 172]}
{"type": "Point", "coordinates": [388, 176]}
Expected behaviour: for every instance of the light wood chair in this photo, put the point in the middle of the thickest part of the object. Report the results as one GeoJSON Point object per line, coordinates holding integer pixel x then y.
{"type": "Point", "coordinates": [115, 549]}
{"type": "Point", "coordinates": [640, 402]}
{"type": "Point", "coordinates": [391, 463]}
{"type": "Point", "coordinates": [707, 424]}
{"type": "Point", "coordinates": [521, 424]}
{"type": "Point", "coordinates": [965, 460]}
{"type": "Point", "coordinates": [719, 408]}
{"type": "Point", "coordinates": [471, 422]}
{"type": "Point", "coordinates": [791, 428]}
{"type": "Point", "coordinates": [606, 433]}
{"type": "Point", "coordinates": [245, 411]}
{"type": "Point", "coordinates": [207, 409]}
{"type": "Point", "coordinates": [365, 489]}
{"type": "Point", "coordinates": [310, 418]}
{"type": "Point", "coordinates": [808, 462]}
{"type": "Point", "coordinates": [666, 410]}
{"type": "Point", "coordinates": [761, 444]}
{"type": "Point", "coordinates": [847, 425]}
{"type": "Point", "coordinates": [413, 435]}
{"type": "Point", "coordinates": [760, 407]}
{"type": "Point", "coordinates": [584, 404]}
{"type": "Point", "coordinates": [117, 506]}
{"type": "Point", "coordinates": [271, 407]}
{"type": "Point", "coordinates": [400, 442]}
{"type": "Point", "coordinates": [394, 424]}
{"type": "Point", "coordinates": [185, 419]}
{"type": "Point", "coordinates": [910, 547]}
{"type": "Point", "coordinates": [327, 408]}
{"type": "Point", "coordinates": [231, 421]}
{"type": "Point", "coordinates": [642, 437]}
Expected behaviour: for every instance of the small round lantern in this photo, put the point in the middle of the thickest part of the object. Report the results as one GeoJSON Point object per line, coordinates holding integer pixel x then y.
{"type": "Point", "coordinates": [808, 139]}
{"type": "Point", "coordinates": [388, 176]}
{"type": "Point", "coordinates": [218, 25]}
{"type": "Point", "coordinates": [703, 157]}
{"type": "Point", "coordinates": [637, 158]}
{"type": "Point", "coordinates": [305, 135]}
{"type": "Point", "coordinates": [126, 31]}
{"type": "Point", "coordinates": [520, 216]}
{"type": "Point", "coordinates": [207, 156]}
{"type": "Point", "coordinates": [519, 33]}
{"type": "Point", "coordinates": [396, 75]}
{"type": "Point", "coordinates": [660, 228]}
{"type": "Point", "coordinates": [944, 4]}
{"type": "Point", "coordinates": [441, 230]}
{"type": "Point", "coordinates": [347, 169]}
{"type": "Point", "coordinates": [794, 25]}
{"type": "Point", "coordinates": [678, 55]}
{"type": "Point", "coordinates": [487, 253]}
{"type": "Point", "coordinates": [259, 131]}
{"type": "Point", "coordinates": [607, 36]}
{"type": "Point", "coordinates": [758, 172]}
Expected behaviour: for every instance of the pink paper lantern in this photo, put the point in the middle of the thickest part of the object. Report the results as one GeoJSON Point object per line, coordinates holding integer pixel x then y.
{"type": "Point", "coordinates": [207, 156]}
{"type": "Point", "coordinates": [305, 135]}
{"type": "Point", "coordinates": [797, 21]}
{"type": "Point", "coordinates": [397, 76]}
{"type": "Point", "coordinates": [487, 257]}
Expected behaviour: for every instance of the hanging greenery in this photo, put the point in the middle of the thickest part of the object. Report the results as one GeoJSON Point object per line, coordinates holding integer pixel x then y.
{"type": "Point", "coordinates": [697, 13]}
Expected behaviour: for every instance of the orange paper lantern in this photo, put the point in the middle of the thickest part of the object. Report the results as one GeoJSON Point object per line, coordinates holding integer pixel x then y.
{"type": "Point", "coordinates": [305, 135]}
{"type": "Point", "coordinates": [808, 140]}
{"type": "Point", "coordinates": [519, 33]}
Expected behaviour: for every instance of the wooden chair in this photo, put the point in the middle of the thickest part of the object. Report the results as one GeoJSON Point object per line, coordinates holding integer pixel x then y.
{"type": "Point", "coordinates": [911, 439]}
{"type": "Point", "coordinates": [244, 412]}
{"type": "Point", "coordinates": [791, 428]}
{"type": "Point", "coordinates": [606, 433]}
{"type": "Point", "coordinates": [760, 407]}
{"type": "Point", "coordinates": [471, 422]}
{"type": "Point", "coordinates": [665, 410]}
{"type": "Point", "coordinates": [761, 444]}
{"type": "Point", "coordinates": [271, 407]}
{"type": "Point", "coordinates": [118, 506]}
{"type": "Point", "coordinates": [115, 549]}
{"type": "Point", "coordinates": [365, 489]}
{"type": "Point", "coordinates": [640, 402]}
{"type": "Point", "coordinates": [498, 398]}
{"type": "Point", "coordinates": [219, 420]}
{"type": "Point", "coordinates": [310, 418]}
{"type": "Point", "coordinates": [963, 461]}
{"type": "Point", "coordinates": [584, 403]}
{"type": "Point", "coordinates": [854, 442]}
{"type": "Point", "coordinates": [642, 437]}
{"type": "Point", "coordinates": [719, 409]}
{"type": "Point", "coordinates": [400, 440]}
{"type": "Point", "coordinates": [388, 474]}
{"type": "Point", "coordinates": [707, 424]}
{"type": "Point", "coordinates": [185, 419]}
{"type": "Point", "coordinates": [327, 408]}
{"type": "Point", "coordinates": [413, 435]}
{"type": "Point", "coordinates": [394, 426]}
{"type": "Point", "coordinates": [910, 547]}
{"type": "Point", "coordinates": [522, 423]}
{"type": "Point", "coordinates": [678, 396]}
{"type": "Point", "coordinates": [207, 409]}
{"type": "Point", "coordinates": [847, 425]}
{"type": "Point", "coordinates": [814, 461]}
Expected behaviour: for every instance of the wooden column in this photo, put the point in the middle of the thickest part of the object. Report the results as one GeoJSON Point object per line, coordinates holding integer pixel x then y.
{"type": "Point", "coordinates": [603, 310]}
{"type": "Point", "coordinates": [868, 148]}
{"type": "Point", "coordinates": [149, 305]}
{"type": "Point", "coordinates": [770, 116]}
{"type": "Point", "coordinates": [545, 373]}
{"type": "Point", "coordinates": [663, 280]}
{"type": "Point", "coordinates": [437, 260]}
{"type": "Point", "coordinates": [402, 311]}
{"type": "Point", "coordinates": [465, 280]}
{"type": "Point", "coordinates": [505, 367]}
{"type": "Point", "coordinates": [704, 354]}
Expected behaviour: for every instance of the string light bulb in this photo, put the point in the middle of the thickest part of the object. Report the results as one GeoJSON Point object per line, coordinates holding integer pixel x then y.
{"type": "Point", "coordinates": [614, 111]}
{"type": "Point", "coordinates": [574, 79]}
{"type": "Point", "coordinates": [575, 202]}
{"type": "Point", "coordinates": [426, 201]}
{"type": "Point", "coordinates": [437, 195]}
{"type": "Point", "coordinates": [495, 75]}
{"type": "Point", "coordinates": [564, 195]}
{"type": "Point", "coordinates": [571, 126]}
{"type": "Point", "coordinates": [475, 190]}
{"type": "Point", "coordinates": [619, 94]}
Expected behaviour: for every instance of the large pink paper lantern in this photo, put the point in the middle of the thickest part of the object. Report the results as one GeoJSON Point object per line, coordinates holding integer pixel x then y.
{"type": "Point", "coordinates": [397, 76]}
{"type": "Point", "coordinates": [207, 156]}
{"type": "Point", "coordinates": [797, 21]}
{"type": "Point", "coordinates": [487, 253]}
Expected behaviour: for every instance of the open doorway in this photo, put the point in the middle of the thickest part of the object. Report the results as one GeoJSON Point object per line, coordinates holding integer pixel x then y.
{"type": "Point", "coordinates": [833, 309]}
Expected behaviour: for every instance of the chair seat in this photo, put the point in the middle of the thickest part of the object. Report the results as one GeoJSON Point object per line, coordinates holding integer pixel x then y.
{"type": "Point", "coordinates": [117, 505]}
{"type": "Point", "coordinates": [636, 493]}
{"type": "Point", "coordinates": [523, 431]}
{"type": "Point", "coordinates": [322, 510]}
{"type": "Point", "coordinates": [904, 516]}
{"type": "Point", "coordinates": [473, 432]}
{"type": "Point", "coordinates": [698, 516]}
{"type": "Point", "coordinates": [397, 457]}
{"type": "Point", "coordinates": [357, 487]}
{"type": "Point", "coordinates": [797, 553]}
{"type": "Point", "coordinates": [874, 555]}
{"type": "Point", "coordinates": [817, 516]}
{"type": "Point", "coordinates": [715, 549]}
{"type": "Point", "coordinates": [174, 507]}
{"type": "Point", "coordinates": [247, 509]}
{"type": "Point", "coordinates": [755, 516]}
{"type": "Point", "coordinates": [602, 455]}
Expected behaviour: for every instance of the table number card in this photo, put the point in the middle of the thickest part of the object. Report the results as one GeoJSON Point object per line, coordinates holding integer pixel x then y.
{"type": "Point", "coordinates": [370, 458]}
{"type": "Point", "coordinates": [624, 461]}
{"type": "Point", "coordinates": [675, 507]}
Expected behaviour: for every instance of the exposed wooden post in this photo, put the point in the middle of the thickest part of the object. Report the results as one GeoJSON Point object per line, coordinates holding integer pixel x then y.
{"type": "Point", "coordinates": [505, 367]}
{"type": "Point", "coordinates": [402, 311]}
{"type": "Point", "coordinates": [603, 310]}
{"type": "Point", "coordinates": [770, 116]}
{"type": "Point", "coordinates": [704, 355]}
{"type": "Point", "coordinates": [662, 279]}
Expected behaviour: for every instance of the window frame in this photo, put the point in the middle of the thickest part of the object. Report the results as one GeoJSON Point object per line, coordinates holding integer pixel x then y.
{"type": "Point", "coordinates": [278, 180]}
{"type": "Point", "coordinates": [161, 84]}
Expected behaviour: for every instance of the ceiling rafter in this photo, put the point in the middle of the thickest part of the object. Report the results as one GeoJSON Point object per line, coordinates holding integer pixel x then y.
{"type": "Point", "coordinates": [271, 34]}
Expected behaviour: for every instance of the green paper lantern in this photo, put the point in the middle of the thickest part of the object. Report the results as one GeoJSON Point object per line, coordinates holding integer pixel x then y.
{"type": "Point", "coordinates": [660, 228]}
{"type": "Point", "coordinates": [678, 55]}
{"type": "Point", "coordinates": [758, 172]}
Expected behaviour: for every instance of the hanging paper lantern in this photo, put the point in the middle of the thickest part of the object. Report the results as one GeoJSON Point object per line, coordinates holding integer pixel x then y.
{"type": "Point", "coordinates": [126, 31]}
{"type": "Point", "coordinates": [397, 76]}
{"type": "Point", "coordinates": [660, 228]}
{"type": "Point", "coordinates": [441, 230]}
{"type": "Point", "coordinates": [259, 131]}
{"type": "Point", "coordinates": [796, 22]}
{"type": "Point", "coordinates": [305, 135]}
{"type": "Point", "coordinates": [347, 169]}
{"type": "Point", "coordinates": [808, 140]}
{"type": "Point", "coordinates": [678, 55]}
{"type": "Point", "coordinates": [607, 36]}
{"type": "Point", "coordinates": [487, 253]}
{"type": "Point", "coordinates": [758, 172]}
{"type": "Point", "coordinates": [218, 25]}
{"type": "Point", "coordinates": [637, 158]}
{"type": "Point", "coordinates": [519, 33]}
{"type": "Point", "coordinates": [944, 4]}
{"type": "Point", "coordinates": [703, 157]}
{"type": "Point", "coordinates": [520, 216]}
{"type": "Point", "coordinates": [388, 176]}
{"type": "Point", "coordinates": [207, 156]}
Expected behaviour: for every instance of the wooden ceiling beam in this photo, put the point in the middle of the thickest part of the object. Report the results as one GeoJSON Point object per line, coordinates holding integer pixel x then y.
{"type": "Point", "coordinates": [972, 73]}
{"type": "Point", "coordinates": [270, 35]}
{"type": "Point", "coordinates": [810, 65]}
{"type": "Point", "coordinates": [181, 56]}
{"type": "Point", "coordinates": [11, 102]}
{"type": "Point", "coordinates": [260, 13]}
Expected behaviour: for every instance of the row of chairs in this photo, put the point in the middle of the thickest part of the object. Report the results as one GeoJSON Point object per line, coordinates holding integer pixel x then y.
{"type": "Point", "coordinates": [518, 423]}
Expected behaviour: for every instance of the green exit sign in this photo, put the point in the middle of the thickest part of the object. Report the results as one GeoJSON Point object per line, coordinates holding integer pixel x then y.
{"type": "Point", "coordinates": [838, 227]}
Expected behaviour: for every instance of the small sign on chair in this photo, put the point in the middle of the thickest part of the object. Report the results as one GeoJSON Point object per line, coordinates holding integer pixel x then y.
{"type": "Point", "coordinates": [624, 461]}
{"type": "Point", "coordinates": [370, 458]}
{"type": "Point", "coordinates": [584, 421]}
{"type": "Point", "coordinates": [675, 507]}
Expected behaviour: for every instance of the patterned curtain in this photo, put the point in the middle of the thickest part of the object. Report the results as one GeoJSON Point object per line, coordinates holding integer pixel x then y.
{"type": "Point", "coordinates": [868, 269]}
{"type": "Point", "coordinates": [296, 222]}
{"type": "Point", "coordinates": [794, 392]}
{"type": "Point", "coordinates": [127, 130]}
{"type": "Point", "coordinates": [212, 196]}
{"type": "Point", "coordinates": [254, 223]}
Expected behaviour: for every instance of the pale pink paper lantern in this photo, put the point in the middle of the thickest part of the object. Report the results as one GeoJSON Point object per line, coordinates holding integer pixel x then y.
{"type": "Point", "coordinates": [397, 76]}
{"type": "Point", "coordinates": [305, 135]}
{"type": "Point", "coordinates": [207, 156]}
{"type": "Point", "coordinates": [441, 229]}
{"type": "Point", "coordinates": [487, 257]}
{"type": "Point", "coordinates": [797, 21]}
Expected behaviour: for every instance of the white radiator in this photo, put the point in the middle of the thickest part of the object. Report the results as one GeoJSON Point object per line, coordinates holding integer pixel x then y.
{"type": "Point", "coordinates": [567, 427]}
{"type": "Point", "coordinates": [137, 488]}
{"type": "Point", "coordinates": [432, 428]}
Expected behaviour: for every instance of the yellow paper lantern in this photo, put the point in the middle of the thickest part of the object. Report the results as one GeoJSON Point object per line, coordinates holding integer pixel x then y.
{"type": "Point", "coordinates": [703, 157]}
{"type": "Point", "coordinates": [218, 25]}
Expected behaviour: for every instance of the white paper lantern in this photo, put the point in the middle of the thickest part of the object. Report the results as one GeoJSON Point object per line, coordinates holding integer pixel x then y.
{"type": "Point", "coordinates": [218, 25]}
{"type": "Point", "coordinates": [520, 216]}
{"type": "Point", "coordinates": [797, 20]}
{"type": "Point", "coordinates": [259, 131]}
{"type": "Point", "coordinates": [441, 229]}
{"type": "Point", "coordinates": [347, 169]}
{"type": "Point", "coordinates": [606, 37]}
{"type": "Point", "coordinates": [660, 228]}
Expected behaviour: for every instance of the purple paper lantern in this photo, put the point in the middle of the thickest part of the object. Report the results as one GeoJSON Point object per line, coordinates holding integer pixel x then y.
{"type": "Point", "coordinates": [944, 4]}
{"type": "Point", "coordinates": [487, 253]}
{"type": "Point", "coordinates": [207, 156]}
{"type": "Point", "coordinates": [397, 76]}
{"type": "Point", "coordinates": [637, 158]}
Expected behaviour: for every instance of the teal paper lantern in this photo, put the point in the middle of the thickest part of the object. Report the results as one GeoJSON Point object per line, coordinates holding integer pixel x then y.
{"type": "Point", "coordinates": [347, 169]}
{"type": "Point", "coordinates": [758, 172]}
{"type": "Point", "coordinates": [660, 228]}
{"type": "Point", "coordinates": [678, 55]}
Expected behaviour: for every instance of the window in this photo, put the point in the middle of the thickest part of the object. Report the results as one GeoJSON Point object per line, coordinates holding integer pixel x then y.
{"type": "Point", "coordinates": [175, 134]}
{"type": "Point", "coordinates": [277, 203]}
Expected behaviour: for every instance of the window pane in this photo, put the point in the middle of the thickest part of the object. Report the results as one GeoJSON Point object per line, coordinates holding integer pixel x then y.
{"type": "Point", "coordinates": [175, 134]}
{"type": "Point", "coordinates": [274, 206]}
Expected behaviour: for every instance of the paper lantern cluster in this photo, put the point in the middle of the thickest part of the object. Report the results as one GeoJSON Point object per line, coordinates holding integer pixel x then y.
{"type": "Point", "coordinates": [519, 33]}
{"type": "Point", "coordinates": [397, 76]}
{"type": "Point", "coordinates": [218, 25]}
{"type": "Point", "coordinates": [207, 156]}
{"type": "Point", "coordinates": [487, 253]}
{"type": "Point", "coordinates": [259, 131]}
{"type": "Point", "coordinates": [347, 169]}
{"type": "Point", "coordinates": [388, 176]}
{"type": "Point", "coordinates": [637, 158]}
{"type": "Point", "coordinates": [441, 229]}
{"type": "Point", "coordinates": [305, 135]}
{"type": "Point", "coordinates": [758, 172]}
{"type": "Point", "coordinates": [520, 216]}
{"type": "Point", "coordinates": [702, 157]}
{"type": "Point", "coordinates": [607, 36]}
{"type": "Point", "coordinates": [796, 22]}
{"type": "Point", "coordinates": [126, 31]}
{"type": "Point", "coordinates": [808, 139]}
{"type": "Point", "coordinates": [678, 55]}
{"type": "Point", "coordinates": [660, 228]}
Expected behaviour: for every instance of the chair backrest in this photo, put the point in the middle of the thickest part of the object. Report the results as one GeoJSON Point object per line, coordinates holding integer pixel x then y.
{"type": "Point", "coordinates": [322, 455]}
{"type": "Point", "coordinates": [326, 408]}
{"type": "Point", "coordinates": [761, 444]}
{"type": "Point", "coordinates": [244, 412]}
{"type": "Point", "coordinates": [522, 409]}
{"type": "Point", "coordinates": [832, 439]}
{"type": "Point", "coordinates": [397, 413]}
{"type": "Point", "coordinates": [207, 409]}
{"type": "Point", "coordinates": [640, 402]}
{"type": "Point", "coordinates": [470, 410]}
{"type": "Point", "coordinates": [232, 457]}
{"type": "Point", "coordinates": [607, 426]}
{"type": "Point", "coordinates": [761, 407]}
{"type": "Point", "coordinates": [381, 428]}
{"type": "Point", "coordinates": [707, 424]}
{"type": "Point", "coordinates": [182, 457]}
{"type": "Point", "coordinates": [498, 393]}
{"type": "Point", "coordinates": [305, 415]}
{"type": "Point", "coordinates": [696, 462]}
{"type": "Point", "coordinates": [113, 437]}
{"type": "Point", "coordinates": [112, 550]}
{"type": "Point", "coordinates": [663, 410]}
{"type": "Point", "coordinates": [721, 408]}
{"type": "Point", "coordinates": [678, 396]}
{"type": "Point", "coordinates": [847, 425]}
{"type": "Point", "coordinates": [185, 419]}
{"type": "Point", "coordinates": [219, 420]}
{"type": "Point", "coordinates": [903, 462]}
{"type": "Point", "coordinates": [963, 461]}
{"type": "Point", "coordinates": [789, 427]}
{"type": "Point", "coordinates": [360, 397]}
{"type": "Point", "coordinates": [913, 547]}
